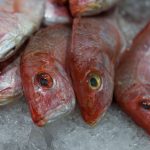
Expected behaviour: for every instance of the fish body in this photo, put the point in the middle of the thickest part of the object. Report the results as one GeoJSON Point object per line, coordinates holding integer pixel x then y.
{"type": "Point", "coordinates": [96, 43]}
{"type": "Point", "coordinates": [56, 13]}
{"type": "Point", "coordinates": [10, 81]}
{"type": "Point", "coordinates": [132, 85]}
{"type": "Point", "coordinates": [46, 85]}
{"type": "Point", "coordinates": [18, 22]}
{"type": "Point", "coordinates": [90, 7]}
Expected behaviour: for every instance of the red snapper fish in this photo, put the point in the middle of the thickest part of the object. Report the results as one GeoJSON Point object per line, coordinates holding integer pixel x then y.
{"type": "Point", "coordinates": [96, 43]}
{"type": "Point", "coordinates": [19, 19]}
{"type": "Point", "coordinates": [56, 13]}
{"type": "Point", "coordinates": [90, 7]}
{"type": "Point", "coordinates": [132, 85]}
{"type": "Point", "coordinates": [46, 85]}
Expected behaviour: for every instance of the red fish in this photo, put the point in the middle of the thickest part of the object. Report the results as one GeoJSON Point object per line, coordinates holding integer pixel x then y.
{"type": "Point", "coordinates": [90, 7]}
{"type": "Point", "coordinates": [132, 86]}
{"type": "Point", "coordinates": [46, 85]}
{"type": "Point", "coordinates": [96, 43]}
{"type": "Point", "coordinates": [56, 14]}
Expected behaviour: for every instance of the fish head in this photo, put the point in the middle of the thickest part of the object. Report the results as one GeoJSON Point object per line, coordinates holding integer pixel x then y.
{"type": "Point", "coordinates": [93, 83]}
{"type": "Point", "coordinates": [135, 101]}
{"type": "Point", "coordinates": [132, 89]}
{"type": "Point", "coordinates": [47, 88]}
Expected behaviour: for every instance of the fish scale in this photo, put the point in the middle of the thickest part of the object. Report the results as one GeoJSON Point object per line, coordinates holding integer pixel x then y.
{"type": "Point", "coordinates": [133, 94]}
{"type": "Point", "coordinates": [95, 64]}
{"type": "Point", "coordinates": [47, 103]}
{"type": "Point", "coordinates": [18, 22]}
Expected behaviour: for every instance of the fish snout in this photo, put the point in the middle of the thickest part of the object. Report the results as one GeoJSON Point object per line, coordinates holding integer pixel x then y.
{"type": "Point", "coordinates": [51, 110]}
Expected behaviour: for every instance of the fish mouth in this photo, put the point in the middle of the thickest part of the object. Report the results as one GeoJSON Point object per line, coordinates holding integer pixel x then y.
{"type": "Point", "coordinates": [95, 114]}
{"type": "Point", "coordinates": [145, 103]}
{"type": "Point", "coordinates": [136, 104]}
{"type": "Point", "coordinates": [93, 121]}
{"type": "Point", "coordinates": [57, 113]}
{"type": "Point", "coordinates": [4, 100]}
{"type": "Point", "coordinates": [139, 110]}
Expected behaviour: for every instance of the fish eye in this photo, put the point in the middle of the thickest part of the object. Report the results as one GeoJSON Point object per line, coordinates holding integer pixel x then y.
{"type": "Point", "coordinates": [44, 80]}
{"type": "Point", "coordinates": [94, 81]}
{"type": "Point", "coordinates": [145, 104]}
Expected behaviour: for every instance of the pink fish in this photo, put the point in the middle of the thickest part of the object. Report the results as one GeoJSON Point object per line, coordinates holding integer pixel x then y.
{"type": "Point", "coordinates": [132, 86]}
{"type": "Point", "coordinates": [96, 44]}
{"type": "Point", "coordinates": [18, 22]}
{"type": "Point", "coordinates": [46, 85]}
{"type": "Point", "coordinates": [10, 81]}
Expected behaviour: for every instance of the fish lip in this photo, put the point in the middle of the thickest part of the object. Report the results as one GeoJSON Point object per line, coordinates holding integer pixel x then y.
{"type": "Point", "coordinates": [136, 112]}
{"type": "Point", "coordinates": [54, 115]}
{"type": "Point", "coordinates": [95, 122]}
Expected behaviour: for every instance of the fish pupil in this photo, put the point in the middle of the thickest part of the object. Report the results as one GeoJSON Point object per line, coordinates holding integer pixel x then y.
{"type": "Point", "coordinates": [93, 82]}
{"type": "Point", "coordinates": [44, 82]}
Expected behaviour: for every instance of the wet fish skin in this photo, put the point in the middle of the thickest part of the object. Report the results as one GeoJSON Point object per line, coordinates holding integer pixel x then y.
{"type": "Point", "coordinates": [46, 85]}
{"type": "Point", "coordinates": [18, 22]}
{"type": "Point", "coordinates": [96, 43]}
{"type": "Point", "coordinates": [90, 7]}
{"type": "Point", "coordinates": [56, 14]}
{"type": "Point", "coordinates": [132, 85]}
{"type": "Point", "coordinates": [10, 81]}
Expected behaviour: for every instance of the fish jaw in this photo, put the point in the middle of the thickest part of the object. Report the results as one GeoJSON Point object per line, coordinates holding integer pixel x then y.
{"type": "Point", "coordinates": [55, 114]}
{"type": "Point", "coordinates": [56, 14]}
{"type": "Point", "coordinates": [135, 101]}
{"type": "Point", "coordinates": [46, 104]}
{"type": "Point", "coordinates": [10, 85]}
{"type": "Point", "coordinates": [90, 7]}
{"type": "Point", "coordinates": [93, 103]}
